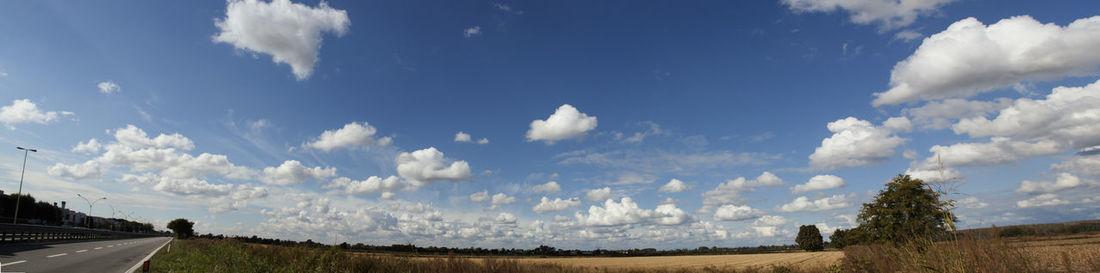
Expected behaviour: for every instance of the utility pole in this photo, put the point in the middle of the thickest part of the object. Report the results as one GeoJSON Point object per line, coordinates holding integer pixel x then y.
{"type": "Point", "coordinates": [19, 198]}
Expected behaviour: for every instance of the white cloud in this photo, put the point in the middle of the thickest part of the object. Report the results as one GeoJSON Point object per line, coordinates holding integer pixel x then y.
{"type": "Point", "coordinates": [502, 199]}
{"type": "Point", "coordinates": [108, 87]}
{"type": "Point", "coordinates": [1064, 181]}
{"type": "Point", "coordinates": [289, 32]}
{"type": "Point", "coordinates": [1043, 200]}
{"type": "Point", "coordinates": [89, 169]}
{"type": "Point", "coordinates": [422, 167]}
{"type": "Point", "coordinates": [191, 186]}
{"type": "Point", "coordinates": [908, 35]}
{"type": "Point", "coordinates": [462, 137]}
{"type": "Point", "coordinates": [889, 14]}
{"type": "Point", "coordinates": [934, 174]}
{"type": "Point", "coordinates": [483, 141]}
{"type": "Point", "coordinates": [627, 212]}
{"type": "Point", "coordinates": [972, 203]}
{"type": "Point", "coordinates": [652, 128]}
{"type": "Point", "coordinates": [480, 196]}
{"type": "Point", "coordinates": [819, 182]}
{"type": "Point", "coordinates": [566, 122]}
{"type": "Point", "coordinates": [969, 58]}
{"type": "Point", "coordinates": [136, 138]}
{"type": "Point", "coordinates": [506, 218]}
{"type": "Point", "coordinates": [596, 195]}
{"type": "Point", "coordinates": [1068, 115]}
{"type": "Point", "coordinates": [803, 203]}
{"type": "Point", "coordinates": [998, 150]}
{"type": "Point", "coordinates": [1080, 164]}
{"type": "Point", "coordinates": [293, 172]}
{"type": "Point", "coordinates": [371, 185]}
{"type": "Point", "coordinates": [549, 187]}
{"type": "Point", "coordinates": [25, 111]}
{"type": "Point", "coordinates": [353, 134]}
{"type": "Point", "coordinates": [854, 143]}
{"type": "Point", "coordinates": [937, 115]}
{"type": "Point", "coordinates": [898, 124]}
{"type": "Point", "coordinates": [730, 191]}
{"type": "Point", "coordinates": [736, 213]}
{"type": "Point", "coordinates": [471, 31]}
{"type": "Point", "coordinates": [674, 185]}
{"type": "Point", "coordinates": [546, 205]}
{"type": "Point", "coordinates": [91, 146]}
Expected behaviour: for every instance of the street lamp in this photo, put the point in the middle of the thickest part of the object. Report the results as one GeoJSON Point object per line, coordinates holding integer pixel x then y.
{"type": "Point", "coordinates": [90, 204]}
{"type": "Point", "coordinates": [15, 217]}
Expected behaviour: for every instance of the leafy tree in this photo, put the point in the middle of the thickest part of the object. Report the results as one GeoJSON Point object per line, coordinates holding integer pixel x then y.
{"type": "Point", "coordinates": [809, 238]}
{"type": "Point", "coordinates": [182, 228]}
{"type": "Point", "coordinates": [905, 209]}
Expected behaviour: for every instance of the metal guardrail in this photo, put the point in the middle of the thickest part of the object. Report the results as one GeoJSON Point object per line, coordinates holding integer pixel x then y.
{"type": "Point", "coordinates": [25, 233]}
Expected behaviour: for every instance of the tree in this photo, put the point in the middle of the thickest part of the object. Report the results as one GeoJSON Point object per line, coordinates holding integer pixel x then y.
{"type": "Point", "coordinates": [182, 228]}
{"type": "Point", "coordinates": [905, 209]}
{"type": "Point", "coordinates": [809, 238]}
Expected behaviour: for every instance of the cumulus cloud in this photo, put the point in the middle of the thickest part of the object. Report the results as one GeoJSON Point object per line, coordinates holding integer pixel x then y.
{"type": "Point", "coordinates": [736, 213]}
{"type": "Point", "coordinates": [423, 167]}
{"type": "Point", "coordinates": [998, 150]}
{"type": "Point", "coordinates": [134, 137]}
{"type": "Point", "coordinates": [506, 218]}
{"type": "Point", "coordinates": [289, 32]}
{"type": "Point", "coordinates": [1064, 181]}
{"type": "Point", "coordinates": [674, 185]}
{"type": "Point", "coordinates": [803, 203]}
{"type": "Point", "coordinates": [352, 134]}
{"type": "Point", "coordinates": [546, 205]}
{"type": "Point", "coordinates": [566, 122]}
{"type": "Point", "coordinates": [191, 186]}
{"type": "Point", "coordinates": [88, 169]}
{"type": "Point", "coordinates": [483, 141]}
{"type": "Point", "coordinates": [854, 143]}
{"type": "Point", "coordinates": [293, 172]}
{"type": "Point", "coordinates": [972, 203]}
{"type": "Point", "coordinates": [819, 182]}
{"type": "Point", "coordinates": [596, 195]}
{"type": "Point", "coordinates": [898, 124]}
{"type": "Point", "coordinates": [371, 185]}
{"type": "Point", "coordinates": [462, 137]}
{"type": "Point", "coordinates": [502, 199]}
{"type": "Point", "coordinates": [934, 174]}
{"type": "Point", "coordinates": [90, 146]}
{"type": "Point", "coordinates": [1068, 115]}
{"type": "Point", "coordinates": [108, 87]}
{"type": "Point", "coordinates": [730, 191]}
{"type": "Point", "coordinates": [1080, 164]}
{"type": "Point", "coordinates": [471, 31]}
{"type": "Point", "coordinates": [627, 212]}
{"type": "Point", "coordinates": [908, 35]}
{"type": "Point", "coordinates": [889, 14]}
{"type": "Point", "coordinates": [480, 196]}
{"type": "Point", "coordinates": [969, 58]}
{"type": "Point", "coordinates": [941, 114]}
{"type": "Point", "coordinates": [549, 187]}
{"type": "Point", "coordinates": [25, 111]}
{"type": "Point", "coordinates": [1043, 200]}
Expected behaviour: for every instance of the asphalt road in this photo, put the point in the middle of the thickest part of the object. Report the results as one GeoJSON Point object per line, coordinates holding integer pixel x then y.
{"type": "Point", "coordinates": [83, 256]}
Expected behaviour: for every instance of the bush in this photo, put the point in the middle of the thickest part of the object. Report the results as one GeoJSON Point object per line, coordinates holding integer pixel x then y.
{"type": "Point", "coordinates": [809, 238]}
{"type": "Point", "coordinates": [1016, 232]}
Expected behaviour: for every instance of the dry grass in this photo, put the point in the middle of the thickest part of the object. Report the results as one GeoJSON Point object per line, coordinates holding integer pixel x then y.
{"type": "Point", "coordinates": [1063, 253]}
{"type": "Point", "coordinates": [806, 260]}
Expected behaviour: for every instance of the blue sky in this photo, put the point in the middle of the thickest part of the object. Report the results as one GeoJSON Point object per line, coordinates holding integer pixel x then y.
{"type": "Point", "coordinates": [662, 124]}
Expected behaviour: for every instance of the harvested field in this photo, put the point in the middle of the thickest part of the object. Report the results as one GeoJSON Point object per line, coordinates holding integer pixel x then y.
{"type": "Point", "coordinates": [796, 259]}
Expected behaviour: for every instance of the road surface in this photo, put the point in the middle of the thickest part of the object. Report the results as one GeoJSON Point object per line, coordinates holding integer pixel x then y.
{"type": "Point", "coordinates": [107, 256]}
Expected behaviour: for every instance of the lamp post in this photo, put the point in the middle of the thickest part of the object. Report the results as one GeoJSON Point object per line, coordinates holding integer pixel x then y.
{"type": "Point", "coordinates": [90, 204]}
{"type": "Point", "coordinates": [15, 217]}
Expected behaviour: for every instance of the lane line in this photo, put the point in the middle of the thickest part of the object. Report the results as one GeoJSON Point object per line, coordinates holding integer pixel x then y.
{"type": "Point", "coordinates": [15, 262]}
{"type": "Point", "coordinates": [110, 245]}
{"type": "Point", "coordinates": [99, 247]}
{"type": "Point", "coordinates": [82, 250]}
{"type": "Point", "coordinates": [57, 255]}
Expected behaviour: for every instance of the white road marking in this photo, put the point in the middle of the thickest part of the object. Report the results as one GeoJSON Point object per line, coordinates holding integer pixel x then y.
{"type": "Point", "coordinates": [110, 245]}
{"type": "Point", "coordinates": [82, 250]}
{"type": "Point", "coordinates": [99, 247]}
{"type": "Point", "coordinates": [57, 255]}
{"type": "Point", "coordinates": [15, 262]}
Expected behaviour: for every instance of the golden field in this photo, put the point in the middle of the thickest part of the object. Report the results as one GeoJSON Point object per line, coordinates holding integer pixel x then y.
{"type": "Point", "coordinates": [796, 259]}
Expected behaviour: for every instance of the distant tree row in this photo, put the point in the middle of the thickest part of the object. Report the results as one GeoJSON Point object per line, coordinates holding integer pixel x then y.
{"type": "Point", "coordinates": [32, 211]}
